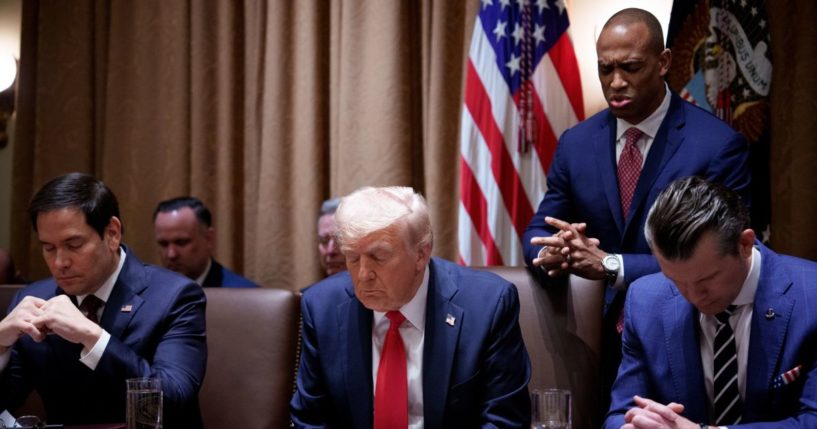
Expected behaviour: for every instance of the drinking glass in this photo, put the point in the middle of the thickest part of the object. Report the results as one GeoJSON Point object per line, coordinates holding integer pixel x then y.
{"type": "Point", "coordinates": [551, 409]}
{"type": "Point", "coordinates": [144, 403]}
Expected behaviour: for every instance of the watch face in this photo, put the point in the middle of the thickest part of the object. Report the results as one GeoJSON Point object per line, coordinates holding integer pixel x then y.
{"type": "Point", "coordinates": [610, 263]}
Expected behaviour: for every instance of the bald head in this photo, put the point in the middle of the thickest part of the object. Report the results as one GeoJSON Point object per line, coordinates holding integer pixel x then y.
{"type": "Point", "coordinates": [630, 16]}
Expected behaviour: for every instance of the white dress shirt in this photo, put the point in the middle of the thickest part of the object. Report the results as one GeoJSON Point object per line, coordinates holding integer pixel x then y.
{"type": "Point", "coordinates": [203, 275]}
{"type": "Point", "coordinates": [649, 127]}
{"type": "Point", "coordinates": [741, 322]}
{"type": "Point", "coordinates": [413, 332]}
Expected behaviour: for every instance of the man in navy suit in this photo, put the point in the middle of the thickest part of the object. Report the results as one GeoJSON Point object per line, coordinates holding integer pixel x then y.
{"type": "Point", "coordinates": [463, 362]}
{"type": "Point", "coordinates": [184, 231]}
{"type": "Point", "coordinates": [133, 320]}
{"type": "Point", "coordinates": [725, 334]}
{"type": "Point", "coordinates": [624, 156]}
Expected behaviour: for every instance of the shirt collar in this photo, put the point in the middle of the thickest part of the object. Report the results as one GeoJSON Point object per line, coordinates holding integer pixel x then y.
{"type": "Point", "coordinates": [415, 310]}
{"type": "Point", "coordinates": [104, 292]}
{"type": "Point", "coordinates": [747, 291]}
{"type": "Point", "coordinates": [652, 123]}
{"type": "Point", "coordinates": [200, 279]}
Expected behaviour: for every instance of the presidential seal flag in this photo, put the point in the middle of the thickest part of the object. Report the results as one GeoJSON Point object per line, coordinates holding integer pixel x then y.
{"type": "Point", "coordinates": [522, 90]}
{"type": "Point", "coordinates": [721, 61]}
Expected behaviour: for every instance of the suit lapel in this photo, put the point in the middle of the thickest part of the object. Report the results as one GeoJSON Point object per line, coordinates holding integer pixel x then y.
{"type": "Point", "coordinates": [666, 143]}
{"type": "Point", "coordinates": [767, 334]}
{"type": "Point", "coordinates": [681, 336]}
{"type": "Point", "coordinates": [124, 300]}
{"type": "Point", "coordinates": [605, 148]}
{"type": "Point", "coordinates": [355, 324]}
{"type": "Point", "coordinates": [440, 343]}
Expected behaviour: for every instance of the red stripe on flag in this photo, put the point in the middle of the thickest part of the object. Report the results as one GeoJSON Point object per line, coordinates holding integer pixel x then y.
{"type": "Point", "coordinates": [564, 59]}
{"type": "Point", "coordinates": [507, 178]}
{"type": "Point", "coordinates": [477, 208]}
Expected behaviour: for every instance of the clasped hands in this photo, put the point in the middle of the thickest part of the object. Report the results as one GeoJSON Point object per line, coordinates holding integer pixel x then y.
{"type": "Point", "coordinates": [570, 251]}
{"type": "Point", "coordinates": [37, 318]}
{"type": "Point", "coordinates": [648, 414]}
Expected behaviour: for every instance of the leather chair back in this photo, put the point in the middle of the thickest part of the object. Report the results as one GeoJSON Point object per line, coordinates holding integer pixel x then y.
{"type": "Point", "coordinates": [252, 340]}
{"type": "Point", "coordinates": [561, 327]}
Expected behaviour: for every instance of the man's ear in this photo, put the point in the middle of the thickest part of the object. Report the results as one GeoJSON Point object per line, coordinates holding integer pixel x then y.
{"type": "Point", "coordinates": [113, 233]}
{"type": "Point", "coordinates": [664, 62]}
{"type": "Point", "coordinates": [423, 255]}
{"type": "Point", "coordinates": [210, 236]}
{"type": "Point", "coordinates": [745, 242]}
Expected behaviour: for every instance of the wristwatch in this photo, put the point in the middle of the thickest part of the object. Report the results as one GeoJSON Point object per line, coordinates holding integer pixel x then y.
{"type": "Point", "coordinates": [611, 264]}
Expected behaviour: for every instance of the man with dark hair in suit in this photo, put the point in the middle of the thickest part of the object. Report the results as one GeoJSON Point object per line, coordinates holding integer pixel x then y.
{"type": "Point", "coordinates": [403, 339]}
{"type": "Point", "coordinates": [332, 259]}
{"type": "Point", "coordinates": [184, 231]}
{"type": "Point", "coordinates": [607, 171]}
{"type": "Point", "coordinates": [133, 320]}
{"type": "Point", "coordinates": [724, 335]}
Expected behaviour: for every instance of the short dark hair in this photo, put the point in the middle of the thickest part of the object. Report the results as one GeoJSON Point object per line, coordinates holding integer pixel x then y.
{"type": "Point", "coordinates": [688, 208]}
{"type": "Point", "coordinates": [81, 191]}
{"type": "Point", "coordinates": [199, 209]}
{"type": "Point", "coordinates": [634, 15]}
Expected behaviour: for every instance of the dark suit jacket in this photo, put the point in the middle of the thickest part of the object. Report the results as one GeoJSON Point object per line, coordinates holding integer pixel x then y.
{"type": "Point", "coordinates": [662, 359]}
{"type": "Point", "coordinates": [583, 181]}
{"type": "Point", "coordinates": [157, 326]}
{"type": "Point", "coordinates": [220, 276]}
{"type": "Point", "coordinates": [475, 373]}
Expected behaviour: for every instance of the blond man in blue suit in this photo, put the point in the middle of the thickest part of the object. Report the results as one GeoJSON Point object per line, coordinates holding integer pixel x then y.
{"type": "Point", "coordinates": [465, 362]}
{"type": "Point", "coordinates": [725, 334]}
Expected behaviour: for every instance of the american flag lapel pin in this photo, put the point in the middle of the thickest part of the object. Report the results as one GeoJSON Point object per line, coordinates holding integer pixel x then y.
{"type": "Point", "coordinates": [787, 377]}
{"type": "Point", "coordinates": [126, 308]}
{"type": "Point", "coordinates": [449, 319]}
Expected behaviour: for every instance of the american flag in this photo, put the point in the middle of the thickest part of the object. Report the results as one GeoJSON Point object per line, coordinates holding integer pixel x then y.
{"type": "Point", "coordinates": [522, 90]}
{"type": "Point", "coordinates": [787, 377]}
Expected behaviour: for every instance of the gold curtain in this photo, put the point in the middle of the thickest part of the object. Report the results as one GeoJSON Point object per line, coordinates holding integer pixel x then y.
{"type": "Point", "coordinates": [262, 109]}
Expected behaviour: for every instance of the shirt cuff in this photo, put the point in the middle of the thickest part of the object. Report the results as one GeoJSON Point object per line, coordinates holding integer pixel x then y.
{"type": "Point", "coordinates": [91, 359]}
{"type": "Point", "coordinates": [4, 359]}
{"type": "Point", "coordinates": [619, 283]}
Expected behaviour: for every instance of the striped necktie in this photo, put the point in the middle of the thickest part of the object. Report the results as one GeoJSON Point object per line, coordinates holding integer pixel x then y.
{"type": "Point", "coordinates": [728, 407]}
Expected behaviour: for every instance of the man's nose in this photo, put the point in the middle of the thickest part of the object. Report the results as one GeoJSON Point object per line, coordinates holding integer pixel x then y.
{"type": "Point", "coordinates": [618, 81]}
{"type": "Point", "coordinates": [62, 260]}
{"type": "Point", "coordinates": [331, 246]}
{"type": "Point", "coordinates": [171, 252]}
{"type": "Point", "coordinates": [365, 272]}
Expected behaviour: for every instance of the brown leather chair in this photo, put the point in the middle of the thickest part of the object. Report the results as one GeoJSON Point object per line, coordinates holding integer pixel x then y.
{"type": "Point", "coordinates": [561, 327]}
{"type": "Point", "coordinates": [252, 341]}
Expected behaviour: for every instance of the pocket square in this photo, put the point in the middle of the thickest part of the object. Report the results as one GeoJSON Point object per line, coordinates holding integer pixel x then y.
{"type": "Point", "coordinates": [787, 377]}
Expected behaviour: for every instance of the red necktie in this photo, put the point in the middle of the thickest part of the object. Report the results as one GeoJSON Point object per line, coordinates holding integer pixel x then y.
{"type": "Point", "coordinates": [629, 168]}
{"type": "Point", "coordinates": [90, 307]}
{"type": "Point", "coordinates": [391, 393]}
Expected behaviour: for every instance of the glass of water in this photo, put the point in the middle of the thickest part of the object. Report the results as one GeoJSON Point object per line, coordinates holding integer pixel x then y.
{"type": "Point", "coordinates": [144, 403]}
{"type": "Point", "coordinates": [551, 409]}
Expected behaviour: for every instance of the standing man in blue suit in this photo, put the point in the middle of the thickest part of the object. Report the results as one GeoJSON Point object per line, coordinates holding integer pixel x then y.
{"type": "Point", "coordinates": [725, 334]}
{"type": "Point", "coordinates": [184, 232]}
{"type": "Point", "coordinates": [133, 320]}
{"type": "Point", "coordinates": [608, 170]}
{"type": "Point", "coordinates": [405, 340]}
